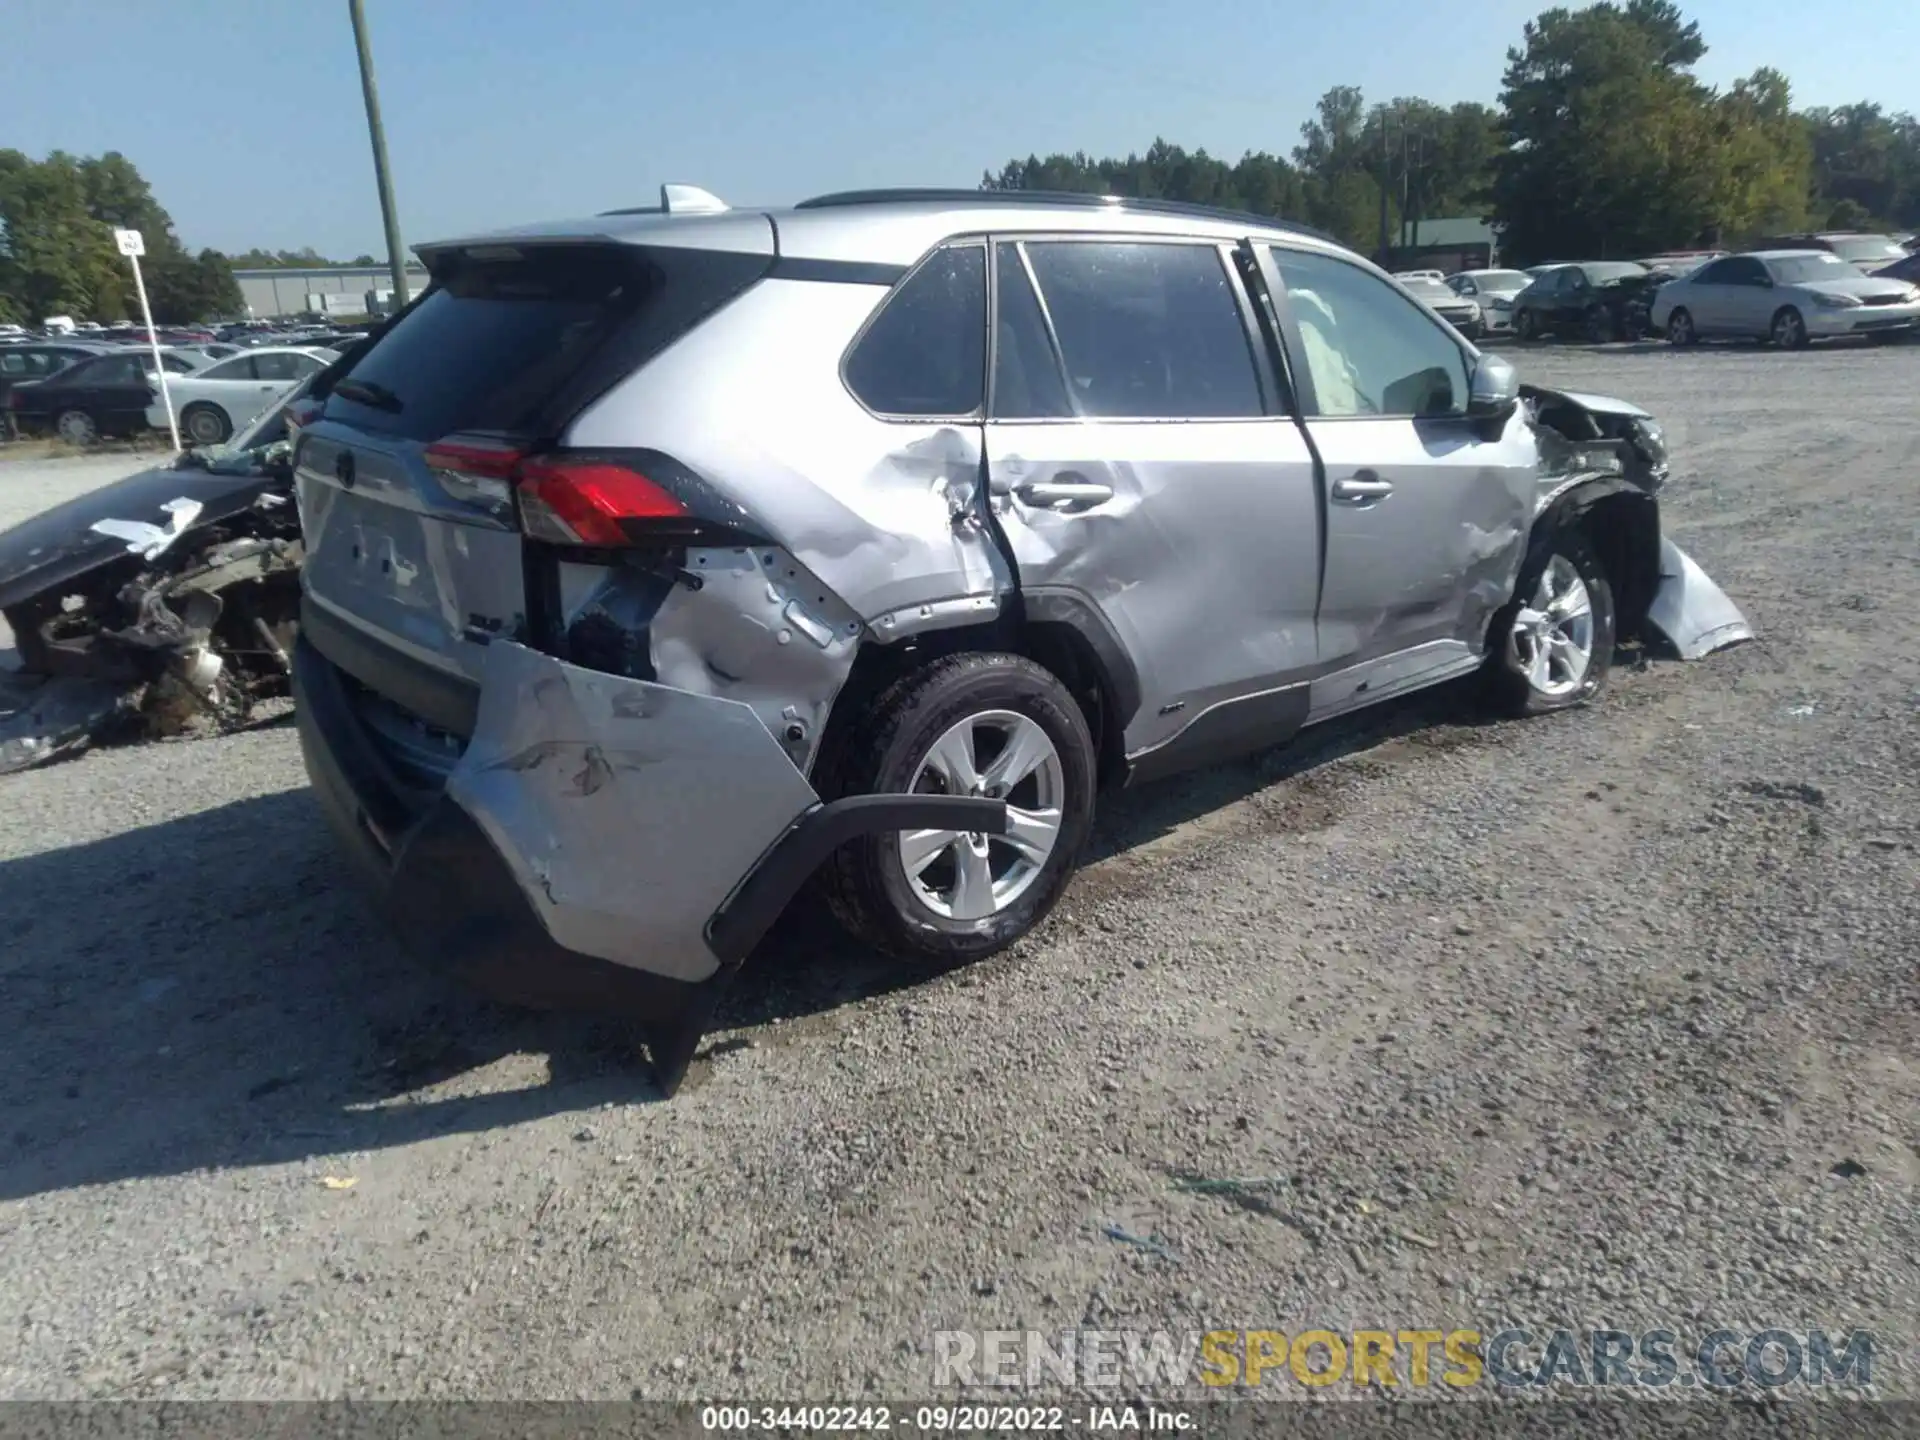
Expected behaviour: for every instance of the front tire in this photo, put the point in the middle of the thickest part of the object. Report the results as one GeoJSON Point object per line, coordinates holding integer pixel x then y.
{"type": "Point", "coordinates": [1789, 329]}
{"type": "Point", "coordinates": [975, 723]}
{"type": "Point", "coordinates": [1551, 647]}
{"type": "Point", "coordinates": [1525, 327]}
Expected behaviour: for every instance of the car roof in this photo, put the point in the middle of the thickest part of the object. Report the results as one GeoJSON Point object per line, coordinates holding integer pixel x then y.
{"type": "Point", "coordinates": [1802, 254]}
{"type": "Point", "coordinates": [897, 227]}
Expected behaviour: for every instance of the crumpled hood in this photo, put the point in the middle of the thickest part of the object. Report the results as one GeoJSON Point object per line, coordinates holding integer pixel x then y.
{"type": "Point", "coordinates": [56, 545]}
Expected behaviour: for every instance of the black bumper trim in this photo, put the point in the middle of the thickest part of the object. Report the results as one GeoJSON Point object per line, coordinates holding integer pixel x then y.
{"type": "Point", "coordinates": [747, 913]}
{"type": "Point", "coordinates": [447, 701]}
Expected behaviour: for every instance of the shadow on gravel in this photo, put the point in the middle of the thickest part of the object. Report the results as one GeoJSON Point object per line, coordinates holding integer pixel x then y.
{"type": "Point", "coordinates": [212, 992]}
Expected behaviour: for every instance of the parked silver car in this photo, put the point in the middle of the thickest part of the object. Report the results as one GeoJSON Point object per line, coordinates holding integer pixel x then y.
{"type": "Point", "coordinates": [1790, 297]}
{"type": "Point", "coordinates": [658, 561]}
{"type": "Point", "coordinates": [1454, 308]}
{"type": "Point", "coordinates": [1494, 291]}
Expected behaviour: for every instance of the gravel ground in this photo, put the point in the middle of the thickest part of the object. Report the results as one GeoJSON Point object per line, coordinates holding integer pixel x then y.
{"type": "Point", "coordinates": [1609, 1018]}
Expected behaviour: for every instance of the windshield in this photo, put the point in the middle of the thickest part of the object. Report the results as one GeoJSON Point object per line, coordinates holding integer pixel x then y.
{"type": "Point", "coordinates": [1604, 273]}
{"type": "Point", "coordinates": [1867, 249]}
{"type": "Point", "coordinates": [1429, 289]}
{"type": "Point", "coordinates": [1804, 269]}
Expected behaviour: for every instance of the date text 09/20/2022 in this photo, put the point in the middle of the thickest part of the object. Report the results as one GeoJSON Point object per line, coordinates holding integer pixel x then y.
{"type": "Point", "coordinates": [947, 1419]}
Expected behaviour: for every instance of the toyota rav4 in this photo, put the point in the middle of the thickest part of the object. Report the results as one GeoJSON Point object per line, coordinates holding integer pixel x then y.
{"type": "Point", "coordinates": [660, 563]}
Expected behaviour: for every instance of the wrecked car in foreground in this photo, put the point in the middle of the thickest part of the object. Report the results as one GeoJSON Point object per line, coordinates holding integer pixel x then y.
{"type": "Point", "coordinates": [161, 601]}
{"type": "Point", "coordinates": [660, 563]}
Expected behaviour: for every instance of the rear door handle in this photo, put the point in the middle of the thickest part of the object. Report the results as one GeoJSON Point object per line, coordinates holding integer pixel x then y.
{"type": "Point", "coordinates": [1053, 494]}
{"type": "Point", "coordinates": [1362, 488]}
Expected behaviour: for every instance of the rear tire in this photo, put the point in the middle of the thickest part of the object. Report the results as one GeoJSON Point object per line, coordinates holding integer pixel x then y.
{"type": "Point", "coordinates": [1680, 331]}
{"type": "Point", "coordinates": [1525, 327]}
{"type": "Point", "coordinates": [1551, 646]}
{"type": "Point", "coordinates": [943, 896]}
{"type": "Point", "coordinates": [76, 427]}
{"type": "Point", "coordinates": [203, 424]}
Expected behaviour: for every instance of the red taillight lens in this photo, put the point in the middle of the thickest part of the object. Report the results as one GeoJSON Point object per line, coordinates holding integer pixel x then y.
{"type": "Point", "coordinates": [589, 500]}
{"type": "Point", "coordinates": [563, 500]}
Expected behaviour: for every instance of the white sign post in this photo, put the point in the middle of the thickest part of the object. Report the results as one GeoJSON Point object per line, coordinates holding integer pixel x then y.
{"type": "Point", "coordinates": [133, 247]}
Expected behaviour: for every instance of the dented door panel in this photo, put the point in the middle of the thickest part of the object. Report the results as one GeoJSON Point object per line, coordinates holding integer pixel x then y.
{"type": "Point", "coordinates": [1204, 557]}
{"type": "Point", "coordinates": [883, 513]}
{"type": "Point", "coordinates": [1435, 555]}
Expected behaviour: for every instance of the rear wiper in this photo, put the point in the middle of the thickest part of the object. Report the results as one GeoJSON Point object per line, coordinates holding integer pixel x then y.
{"type": "Point", "coordinates": [370, 393]}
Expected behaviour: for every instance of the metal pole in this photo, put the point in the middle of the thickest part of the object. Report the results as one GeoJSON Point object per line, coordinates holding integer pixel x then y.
{"type": "Point", "coordinates": [396, 254]}
{"type": "Point", "coordinates": [1386, 179]}
{"type": "Point", "coordinates": [146, 314]}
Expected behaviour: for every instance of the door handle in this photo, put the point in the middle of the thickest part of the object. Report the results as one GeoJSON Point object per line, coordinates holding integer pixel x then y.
{"type": "Point", "coordinates": [1047, 494]}
{"type": "Point", "coordinates": [1362, 488]}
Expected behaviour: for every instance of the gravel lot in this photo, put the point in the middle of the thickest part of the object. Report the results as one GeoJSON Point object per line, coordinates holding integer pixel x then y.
{"type": "Point", "coordinates": [1603, 1019]}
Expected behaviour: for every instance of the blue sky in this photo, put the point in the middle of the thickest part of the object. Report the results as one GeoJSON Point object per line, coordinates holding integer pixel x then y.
{"type": "Point", "coordinates": [246, 115]}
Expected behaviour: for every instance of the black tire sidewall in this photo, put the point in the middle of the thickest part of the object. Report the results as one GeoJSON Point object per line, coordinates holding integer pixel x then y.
{"type": "Point", "coordinates": [911, 716]}
{"type": "Point", "coordinates": [1686, 336]}
{"type": "Point", "coordinates": [1513, 690]}
{"type": "Point", "coordinates": [1799, 340]}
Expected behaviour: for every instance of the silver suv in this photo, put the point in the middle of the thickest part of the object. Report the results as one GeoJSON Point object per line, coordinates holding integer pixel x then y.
{"type": "Point", "coordinates": [661, 562]}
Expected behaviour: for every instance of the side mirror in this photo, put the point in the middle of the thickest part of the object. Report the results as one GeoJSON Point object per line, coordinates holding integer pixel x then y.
{"type": "Point", "coordinates": [1494, 389]}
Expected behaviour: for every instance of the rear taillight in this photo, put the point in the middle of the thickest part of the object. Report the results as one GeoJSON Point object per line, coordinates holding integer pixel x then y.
{"type": "Point", "coordinates": [563, 499]}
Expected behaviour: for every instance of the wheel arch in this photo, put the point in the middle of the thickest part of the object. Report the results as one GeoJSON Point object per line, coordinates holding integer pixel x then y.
{"type": "Point", "coordinates": [1055, 629]}
{"type": "Point", "coordinates": [1621, 523]}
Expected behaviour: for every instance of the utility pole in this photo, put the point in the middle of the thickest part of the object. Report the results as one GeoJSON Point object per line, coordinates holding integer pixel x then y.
{"type": "Point", "coordinates": [1386, 179]}
{"type": "Point", "coordinates": [396, 254]}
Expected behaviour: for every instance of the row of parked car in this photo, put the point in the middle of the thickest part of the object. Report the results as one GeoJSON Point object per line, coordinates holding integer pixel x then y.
{"type": "Point", "coordinates": [1790, 290]}
{"type": "Point", "coordinates": [82, 390]}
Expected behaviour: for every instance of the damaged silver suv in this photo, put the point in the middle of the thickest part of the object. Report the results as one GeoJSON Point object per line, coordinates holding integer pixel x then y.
{"type": "Point", "coordinates": [661, 562]}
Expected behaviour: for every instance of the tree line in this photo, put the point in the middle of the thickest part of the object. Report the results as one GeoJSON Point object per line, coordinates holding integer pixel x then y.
{"type": "Point", "coordinates": [1604, 143]}
{"type": "Point", "coordinates": [57, 255]}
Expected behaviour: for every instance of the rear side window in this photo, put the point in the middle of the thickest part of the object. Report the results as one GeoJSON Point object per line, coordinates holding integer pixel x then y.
{"type": "Point", "coordinates": [925, 352]}
{"type": "Point", "coordinates": [1148, 331]}
{"type": "Point", "coordinates": [505, 335]}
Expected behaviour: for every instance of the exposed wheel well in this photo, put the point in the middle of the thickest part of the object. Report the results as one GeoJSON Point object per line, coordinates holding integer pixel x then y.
{"type": "Point", "coordinates": [1057, 645]}
{"type": "Point", "coordinates": [1622, 525]}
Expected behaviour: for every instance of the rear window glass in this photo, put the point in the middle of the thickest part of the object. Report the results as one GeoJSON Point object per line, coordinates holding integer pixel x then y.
{"type": "Point", "coordinates": [499, 336]}
{"type": "Point", "coordinates": [925, 353]}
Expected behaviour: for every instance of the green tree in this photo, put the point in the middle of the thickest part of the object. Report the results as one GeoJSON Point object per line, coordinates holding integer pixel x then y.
{"type": "Point", "coordinates": [1614, 149]}
{"type": "Point", "coordinates": [1258, 182]}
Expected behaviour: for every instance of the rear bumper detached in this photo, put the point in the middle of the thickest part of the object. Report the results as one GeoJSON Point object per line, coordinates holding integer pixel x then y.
{"type": "Point", "coordinates": [602, 843]}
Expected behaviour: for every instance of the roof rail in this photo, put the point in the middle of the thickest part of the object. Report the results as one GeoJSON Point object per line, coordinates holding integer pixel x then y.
{"type": "Point", "coordinates": [1148, 205]}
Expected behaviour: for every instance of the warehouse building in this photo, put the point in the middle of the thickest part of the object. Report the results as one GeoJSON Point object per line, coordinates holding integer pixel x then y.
{"type": "Point", "coordinates": [324, 290]}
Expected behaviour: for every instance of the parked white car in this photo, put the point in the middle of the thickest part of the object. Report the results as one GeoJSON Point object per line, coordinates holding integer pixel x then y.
{"type": "Point", "coordinates": [1495, 291]}
{"type": "Point", "coordinates": [1790, 297]}
{"type": "Point", "coordinates": [217, 401]}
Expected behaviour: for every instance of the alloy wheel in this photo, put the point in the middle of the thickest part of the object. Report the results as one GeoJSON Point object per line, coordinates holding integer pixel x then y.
{"type": "Point", "coordinates": [1001, 755]}
{"type": "Point", "coordinates": [1551, 642]}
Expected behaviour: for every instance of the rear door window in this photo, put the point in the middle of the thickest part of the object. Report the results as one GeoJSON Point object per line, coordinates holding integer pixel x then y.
{"type": "Point", "coordinates": [1148, 330]}
{"type": "Point", "coordinates": [924, 354]}
{"type": "Point", "coordinates": [1027, 384]}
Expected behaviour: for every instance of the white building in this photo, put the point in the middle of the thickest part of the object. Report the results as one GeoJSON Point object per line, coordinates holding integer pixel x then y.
{"type": "Point", "coordinates": [277, 292]}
